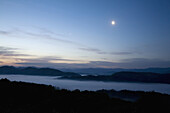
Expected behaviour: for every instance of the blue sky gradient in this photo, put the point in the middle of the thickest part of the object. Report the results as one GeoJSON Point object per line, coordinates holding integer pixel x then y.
{"type": "Point", "coordinates": [79, 34]}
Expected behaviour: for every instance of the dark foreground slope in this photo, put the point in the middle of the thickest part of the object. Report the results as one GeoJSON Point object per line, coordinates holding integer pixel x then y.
{"type": "Point", "coordinates": [20, 97]}
{"type": "Point", "coordinates": [146, 77]}
{"type": "Point", "coordinates": [34, 71]}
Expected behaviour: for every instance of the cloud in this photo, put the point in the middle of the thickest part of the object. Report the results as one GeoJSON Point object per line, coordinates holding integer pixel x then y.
{"type": "Point", "coordinates": [98, 51]}
{"type": "Point", "coordinates": [47, 34]}
{"type": "Point", "coordinates": [60, 59]}
{"type": "Point", "coordinates": [90, 49]}
{"type": "Point", "coordinates": [58, 62]}
{"type": "Point", "coordinates": [126, 63]}
{"type": "Point", "coordinates": [46, 63]}
{"type": "Point", "coordinates": [142, 63]}
{"type": "Point", "coordinates": [7, 51]}
{"type": "Point", "coordinates": [12, 53]}
{"type": "Point", "coordinates": [9, 55]}
{"type": "Point", "coordinates": [121, 53]}
{"type": "Point", "coordinates": [7, 48]}
{"type": "Point", "coordinates": [47, 31]}
{"type": "Point", "coordinates": [54, 65]}
{"type": "Point", "coordinates": [46, 59]}
{"type": "Point", "coordinates": [5, 32]}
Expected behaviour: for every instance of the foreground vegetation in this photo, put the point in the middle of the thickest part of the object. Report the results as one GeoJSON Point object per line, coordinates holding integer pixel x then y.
{"type": "Point", "coordinates": [21, 97]}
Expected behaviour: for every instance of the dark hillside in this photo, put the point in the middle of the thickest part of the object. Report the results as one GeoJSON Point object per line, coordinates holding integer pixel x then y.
{"type": "Point", "coordinates": [21, 97]}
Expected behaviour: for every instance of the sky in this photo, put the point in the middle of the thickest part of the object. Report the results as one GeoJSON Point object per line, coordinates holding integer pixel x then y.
{"type": "Point", "coordinates": [79, 33]}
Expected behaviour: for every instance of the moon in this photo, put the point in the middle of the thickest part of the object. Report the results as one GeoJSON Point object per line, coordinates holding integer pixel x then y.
{"type": "Point", "coordinates": [113, 22]}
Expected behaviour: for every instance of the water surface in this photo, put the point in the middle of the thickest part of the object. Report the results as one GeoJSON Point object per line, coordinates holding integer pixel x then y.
{"type": "Point", "coordinates": [89, 85]}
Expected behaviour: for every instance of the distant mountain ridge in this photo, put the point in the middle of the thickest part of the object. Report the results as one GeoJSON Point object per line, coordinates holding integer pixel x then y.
{"type": "Point", "coordinates": [145, 77]}
{"type": "Point", "coordinates": [109, 71]}
{"type": "Point", "coordinates": [124, 76]}
{"type": "Point", "coordinates": [34, 71]}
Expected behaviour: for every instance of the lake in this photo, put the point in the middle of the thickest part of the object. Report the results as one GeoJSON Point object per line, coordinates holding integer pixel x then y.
{"type": "Point", "coordinates": [90, 85]}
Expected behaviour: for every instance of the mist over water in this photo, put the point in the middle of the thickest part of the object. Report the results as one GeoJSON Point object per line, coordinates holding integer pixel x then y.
{"type": "Point", "coordinates": [89, 85]}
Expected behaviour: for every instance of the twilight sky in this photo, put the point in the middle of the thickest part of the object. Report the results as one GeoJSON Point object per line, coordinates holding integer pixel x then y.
{"type": "Point", "coordinates": [79, 34]}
